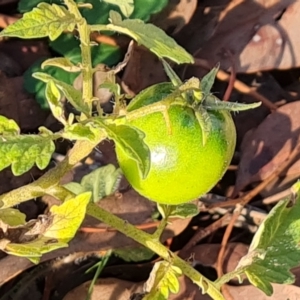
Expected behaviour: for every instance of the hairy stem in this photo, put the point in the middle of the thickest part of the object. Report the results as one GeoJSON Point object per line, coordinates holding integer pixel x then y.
{"type": "Point", "coordinates": [85, 45]}
{"type": "Point", "coordinates": [153, 244]}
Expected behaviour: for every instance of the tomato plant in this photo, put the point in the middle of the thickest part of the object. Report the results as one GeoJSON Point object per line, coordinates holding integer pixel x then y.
{"type": "Point", "coordinates": [174, 141]}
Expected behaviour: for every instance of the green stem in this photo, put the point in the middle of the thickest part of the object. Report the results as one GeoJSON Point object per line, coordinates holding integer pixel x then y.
{"type": "Point", "coordinates": [164, 222]}
{"type": "Point", "coordinates": [151, 243]}
{"type": "Point", "coordinates": [85, 45]}
{"type": "Point", "coordinates": [46, 183]}
{"type": "Point", "coordinates": [227, 277]}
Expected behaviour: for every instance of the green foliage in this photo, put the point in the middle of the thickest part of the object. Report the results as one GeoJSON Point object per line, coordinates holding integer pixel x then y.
{"type": "Point", "coordinates": [101, 182]}
{"type": "Point", "coordinates": [45, 20]}
{"type": "Point", "coordinates": [11, 217]}
{"type": "Point", "coordinates": [183, 211]}
{"type": "Point", "coordinates": [130, 140]}
{"type": "Point", "coordinates": [68, 46]}
{"type": "Point", "coordinates": [49, 232]}
{"type": "Point", "coordinates": [275, 247]}
{"type": "Point", "coordinates": [163, 281]}
{"type": "Point", "coordinates": [151, 37]}
{"type": "Point", "coordinates": [23, 151]}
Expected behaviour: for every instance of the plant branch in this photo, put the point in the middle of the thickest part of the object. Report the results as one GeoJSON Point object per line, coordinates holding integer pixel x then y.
{"type": "Point", "coordinates": [148, 241]}
{"type": "Point", "coordinates": [85, 45]}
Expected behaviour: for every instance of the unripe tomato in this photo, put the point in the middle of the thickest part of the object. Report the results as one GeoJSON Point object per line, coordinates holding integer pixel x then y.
{"type": "Point", "coordinates": [182, 168]}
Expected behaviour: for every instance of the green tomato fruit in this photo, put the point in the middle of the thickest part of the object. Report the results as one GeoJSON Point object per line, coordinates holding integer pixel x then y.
{"type": "Point", "coordinates": [182, 169]}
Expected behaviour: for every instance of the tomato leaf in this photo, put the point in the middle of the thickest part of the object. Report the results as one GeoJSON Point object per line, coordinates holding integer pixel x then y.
{"type": "Point", "coordinates": [126, 6]}
{"type": "Point", "coordinates": [61, 62]}
{"type": "Point", "coordinates": [73, 95]}
{"type": "Point", "coordinates": [67, 217]}
{"type": "Point", "coordinates": [44, 20]}
{"type": "Point", "coordinates": [54, 232]}
{"type": "Point", "coordinates": [163, 280]}
{"type": "Point", "coordinates": [275, 247]}
{"type": "Point", "coordinates": [78, 131]}
{"type": "Point", "coordinates": [12, 217]}
{"type": "Point", "coordinates": [183, 211]}
{"type": "Point", "coordinates": [53, 97]}
{"type": "Point", "coordinates": [8, 126]}
{"type": "Point", "coordinates": [102, 182]}
{"type": "Point", "coordinates": [150, 36]}
{"type": "Point", "coordinates": [131, 141]}
{"type": "Point", "coordinates": [23, 151]}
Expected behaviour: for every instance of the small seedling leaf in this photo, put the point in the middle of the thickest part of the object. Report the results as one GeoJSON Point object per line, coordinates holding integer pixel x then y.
{"type": "Point", "coordinates": [150, 36]}
{"type": "Point", "coordinates": [275, 247]}
{"type": "Point", "coordinates": [23, 151]}
{"type": "Point", "coordinates": [44, 20]}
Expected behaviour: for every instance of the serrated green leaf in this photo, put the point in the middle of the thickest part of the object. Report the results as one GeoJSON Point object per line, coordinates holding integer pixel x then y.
{"type": "Point", "coordinates": [85, 132]}
{"type": "Point", "coordinates": [61, 62]}
{"type": "Point", "coordinates": [74, 96]}
{"type": "Point", "coordinates": [22, 152]}
{"type": "Point", "coordinates": [150, 36]}
{"type": "Point", "coordinates": [12, 217]}
{"type": "Point", "coordinates": [163, 280]}
{"type": "Point", "coordinates": [131, 141]}
{"type": "Point", "coordinates": [126, 6]}
{"type": "Point", "coordinates": [67, 217]}
{"type": "Point", "coordinates": [275, 248]}
{"type": "Point", "coordinates": [102, 182]}
{"type": "Point", "coordinates": [208, 80]}
{"type": "Point", "coordinates": [8, 126]}
{"type": "Point", "coordinates": [45, 20]}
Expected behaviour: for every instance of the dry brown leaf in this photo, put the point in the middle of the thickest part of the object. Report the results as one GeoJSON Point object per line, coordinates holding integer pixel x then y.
{"type": "Point", "coordinates": [269, 146]}
{"type": "Point", "coordinates": [254, 36]}
{"type": "Point", "coordinates": [143, 69]}
{"type": "Point", "coordinates": [175, 16]}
